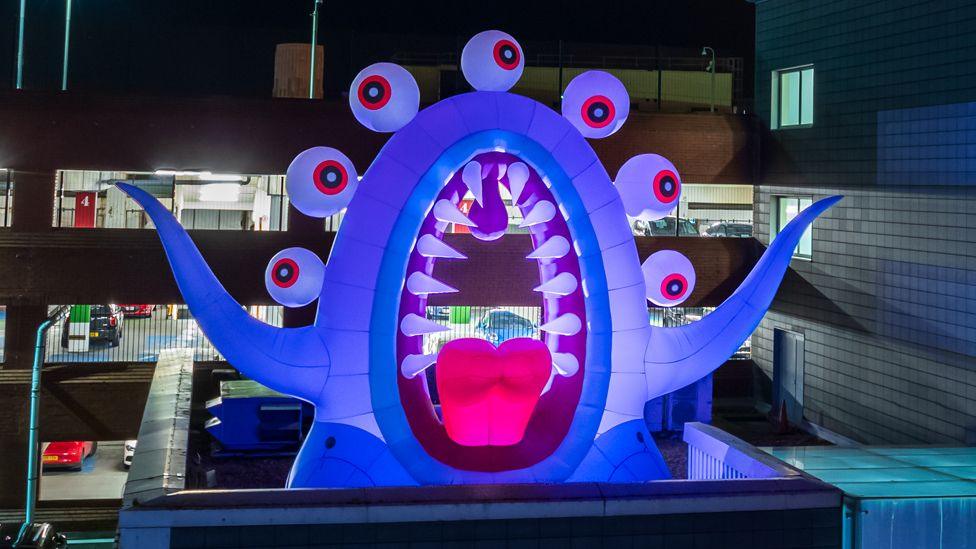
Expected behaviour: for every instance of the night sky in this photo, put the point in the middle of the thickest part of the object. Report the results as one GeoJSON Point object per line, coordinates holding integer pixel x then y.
{"type": "Point", "coordinates": [221, 47]}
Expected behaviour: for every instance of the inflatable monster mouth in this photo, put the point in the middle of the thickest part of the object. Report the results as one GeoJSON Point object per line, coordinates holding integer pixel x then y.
{"type": "Point", "coordinates": [540, 413]}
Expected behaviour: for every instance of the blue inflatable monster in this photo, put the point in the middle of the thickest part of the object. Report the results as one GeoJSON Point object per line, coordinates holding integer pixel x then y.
{"type": "Point", "coordinates": [564, 407]}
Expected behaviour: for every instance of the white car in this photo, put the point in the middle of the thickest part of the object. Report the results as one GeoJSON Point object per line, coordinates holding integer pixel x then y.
{"type": "Point", "coordinates": [127, 451]}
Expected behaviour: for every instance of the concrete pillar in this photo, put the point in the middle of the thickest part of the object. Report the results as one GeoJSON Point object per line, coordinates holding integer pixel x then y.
{"type": "Point", "coordinates": [33, 200]}
{"type": "Point", "coordinates": [19, 333]}
{"type": "Point", "coordinates": [33, 209]}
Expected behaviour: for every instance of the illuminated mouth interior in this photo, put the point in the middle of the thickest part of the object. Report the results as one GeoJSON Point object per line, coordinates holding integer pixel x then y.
{"type": "Point", "coordinates": [506, 406]}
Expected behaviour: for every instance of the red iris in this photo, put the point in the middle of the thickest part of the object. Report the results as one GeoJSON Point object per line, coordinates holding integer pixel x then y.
{"type": "Point", "coordinates": [598, 111]}
{"type": "Point", "coordinates": [285, 273]}
{"type": "Point", "coordinates": [374, 92]}
{"type": "Point", "coordinates": [674, 286]}
{"type": "Point", "coordinates": [330, 177]}
{"type": "Point", "coordinates": [506, 54]}
{"type": "Point", "coordinates": [661, 190]}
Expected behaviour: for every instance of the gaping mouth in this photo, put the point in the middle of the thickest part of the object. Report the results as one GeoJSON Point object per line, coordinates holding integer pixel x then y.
{"type": "Point", "coordinates": [507, 407]}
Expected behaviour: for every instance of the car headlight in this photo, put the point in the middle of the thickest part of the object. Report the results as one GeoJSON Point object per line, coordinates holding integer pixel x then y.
{"type": "Point", "coordinates": [130, 447]}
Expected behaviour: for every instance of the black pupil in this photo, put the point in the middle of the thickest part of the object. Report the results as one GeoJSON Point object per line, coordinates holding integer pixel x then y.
{"type": "Point", "coordinates": [598, 111]}
{"type": "Point", "coordinates": [667, 186]}
{"type": "Point", "coordinates": [284, 272]}
{"type": "Point", "coordinates": [330, 177]}
{"type": "Point", "coordinates": [507, 54]}
{"type": "Point", "coordinates": [674, 288]}
{"type": "Point", "coordinates": [373, 92]}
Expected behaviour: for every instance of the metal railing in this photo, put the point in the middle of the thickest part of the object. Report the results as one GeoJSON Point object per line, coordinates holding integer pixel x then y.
{"type": "Point", "coordinates": [137, 338]}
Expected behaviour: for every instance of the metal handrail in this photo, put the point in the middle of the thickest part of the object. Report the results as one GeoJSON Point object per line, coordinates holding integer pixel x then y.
{"type": "Point", "coordinates": [35, 398]}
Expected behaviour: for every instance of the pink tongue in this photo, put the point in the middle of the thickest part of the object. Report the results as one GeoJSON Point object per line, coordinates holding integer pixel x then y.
{"type": "Point", "coordinates": [488, 394]}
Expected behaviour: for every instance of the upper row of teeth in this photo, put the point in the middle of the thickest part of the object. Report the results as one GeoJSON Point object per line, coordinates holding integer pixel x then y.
{"type": "Point", "coordinates": [421, 284]}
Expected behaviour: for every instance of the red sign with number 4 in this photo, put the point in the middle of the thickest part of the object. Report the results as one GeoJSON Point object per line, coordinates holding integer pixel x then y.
{"type": "Point", "coordinates": [85, 209]}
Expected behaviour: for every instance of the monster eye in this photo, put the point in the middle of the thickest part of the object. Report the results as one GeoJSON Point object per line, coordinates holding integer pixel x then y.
{"type": "Point", "coordinates": [294, 277]}
{"type": "Point", "coordinates": [669, 277]}
{"type": "Point", "coordinates": [596, 103]}
{"type": "Point", "coordinates": [384, 97]}
{"type": "Point", "coordinates": [492, 61]}
{"type": "Point", "coordinates": [321, 181]}
{"type": "Point", "coordinates": [649, 186]}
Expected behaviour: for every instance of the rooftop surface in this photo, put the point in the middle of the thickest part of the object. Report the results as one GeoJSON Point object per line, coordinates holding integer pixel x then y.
{"type": "Point", "coordinates": [888, 472]}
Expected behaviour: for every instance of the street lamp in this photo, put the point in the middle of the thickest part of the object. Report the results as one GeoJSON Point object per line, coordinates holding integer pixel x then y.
{"type": "Point", "coordinates": [710, 68]}
{"type": "Point", "coordinates": [67, 34]}
{"type": "Point", "coordinates": [20, 45]}
{"type": "Point", "coordinates": [311, 68]}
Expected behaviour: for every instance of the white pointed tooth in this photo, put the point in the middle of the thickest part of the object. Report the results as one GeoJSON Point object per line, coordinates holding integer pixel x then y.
{"type": "Point", "coordinates": [543, 212]}
{"type": "Point", "coordinates": [565, 363]}
{"type": "Point", "coordinates": [561, 284]}
{"type": "Point", "coordinates": [446, 211]}
{"type": "Point", "coordinates": [566, 325]}
{"type": "Point", "coordinates": [553, 248]}
{"type": "Point", "coordinates": [414, 364]}
{"type": "Point", "coordinates": [552, 376]}
{"type": "Point", "coordinates": [518, 174]}
{"type": "Point", "coordinates": [502, 168]}
{"type": "Point", "coordinates": [471, 175]}
{"type": "Point", "coordinates": [414, 325]}
{"type": "Point", "coordinates": [419, 283]}
{"type": "Point", "coordinates": [431, 246]}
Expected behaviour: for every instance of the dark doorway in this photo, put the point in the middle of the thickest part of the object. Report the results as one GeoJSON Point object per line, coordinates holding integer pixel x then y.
{"type": "Point", "coordinates": [788, 365]}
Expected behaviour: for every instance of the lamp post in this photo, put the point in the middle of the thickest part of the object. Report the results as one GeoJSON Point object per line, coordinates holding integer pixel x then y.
{"type": "Point", "coordinates": [315, 31]}
{"type": "Point", "coordinates": [711, 68]}
{"type": "Point", "coordinates": [20, 45]}
{"type": "Point", "coordinates": [67, 34]}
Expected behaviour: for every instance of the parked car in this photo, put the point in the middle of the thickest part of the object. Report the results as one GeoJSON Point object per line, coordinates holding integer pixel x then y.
{"type": "Point", "coordinates": [67, 455]}
{"type": "Point", "coordinates": [441, 312]}
{"type": "Point", "coordinates": [138, 311]}
{"type": "Point", "coordinates": [105, 325]}
{"type": "Point", "coordinates": [128, 450]}
{"type": "Point", "coordinates": [665, 227]}
{"type": "Point", "coordinates": [40, 535]}
{"type": "Point", "coordinates": [729, 229]}
{"type": "Point", "coordinates": [499, 325]}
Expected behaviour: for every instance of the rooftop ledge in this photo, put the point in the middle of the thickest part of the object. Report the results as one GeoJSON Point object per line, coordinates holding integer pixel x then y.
{"type": "Point", "coordinates": [451, 503]}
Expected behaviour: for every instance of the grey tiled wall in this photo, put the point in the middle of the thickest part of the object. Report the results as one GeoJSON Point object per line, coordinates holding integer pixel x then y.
{"type": "Point", "coordinates": [798, 528]}
{"type": "Point", "coordinates": [888, 303]}
{"type": "Point", "coordinates": [887, 306]}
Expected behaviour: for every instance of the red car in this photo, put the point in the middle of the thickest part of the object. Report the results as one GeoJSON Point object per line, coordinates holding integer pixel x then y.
{"type": "Point", "coordinates": [138, 311]}
{"type": "Point", "coordinates": [67, 455]}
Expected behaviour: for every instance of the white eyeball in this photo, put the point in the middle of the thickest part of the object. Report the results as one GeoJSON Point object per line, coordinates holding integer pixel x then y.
{"type": "Point", "coordinates": [321, 181]}
{"type": "Point", "coordinates": [384, 97]}
{"type": "Point", "coordinates": [492, 61]}
{"type": "Point", "coordinates": [294, 277]}
{"type": "Point", "coordinates": [669, 277]}
{"type": "Point", "coordinates": [649, 186]}
{"type": "Point", "coordinates": [596, 103]}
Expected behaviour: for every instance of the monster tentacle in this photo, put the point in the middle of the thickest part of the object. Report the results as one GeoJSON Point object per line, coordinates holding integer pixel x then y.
{"type": "Point", "coordinates": [289, 360]}
{"type": "Point", "coordinates": [678, 356]}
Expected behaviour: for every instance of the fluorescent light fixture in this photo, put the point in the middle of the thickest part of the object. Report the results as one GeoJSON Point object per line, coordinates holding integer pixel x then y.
{"type": "Point", "coordinates": [182, 173]}
{"type": "Point", "coordinates": [220, 192]}
{"type": "Point", "coordinates": [207, 176]}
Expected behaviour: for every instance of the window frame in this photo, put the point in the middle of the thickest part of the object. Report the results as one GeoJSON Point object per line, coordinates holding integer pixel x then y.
{"type": "Point", "coordinates": [776, 97]}
{"type": "Point", "coordinates": [774, 221]}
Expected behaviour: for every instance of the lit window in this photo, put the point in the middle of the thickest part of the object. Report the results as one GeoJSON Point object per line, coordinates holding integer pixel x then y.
{"type": "Point", "coordinates": [792, 97]}
{"type": "Point", "coordinates": [784, 209]}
